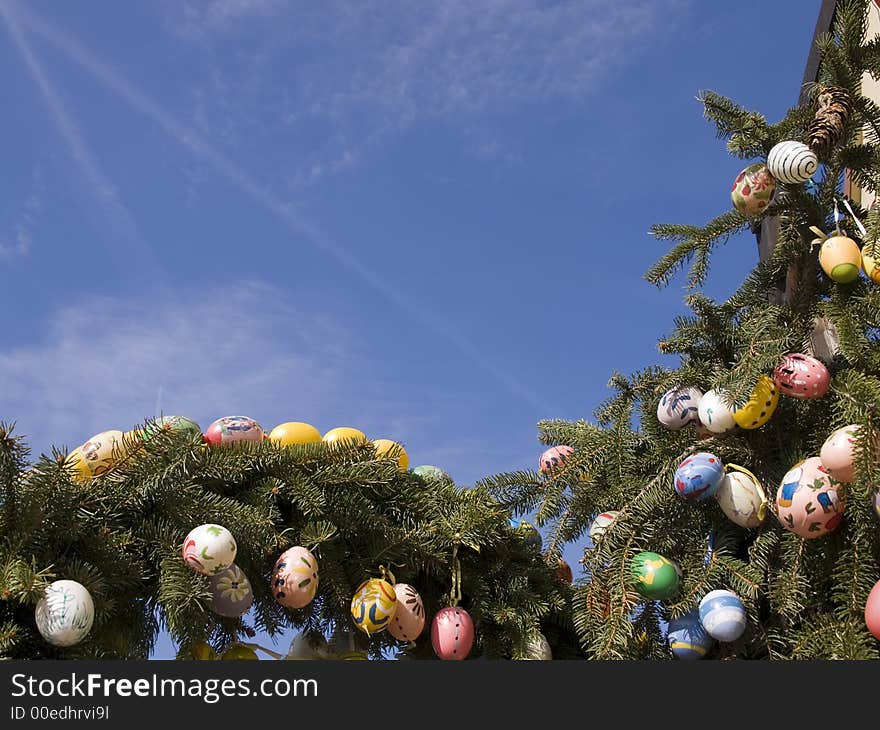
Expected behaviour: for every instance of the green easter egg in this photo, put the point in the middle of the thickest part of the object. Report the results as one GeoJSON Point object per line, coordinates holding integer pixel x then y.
{"type": "Point", "coordinates": [654, 576]}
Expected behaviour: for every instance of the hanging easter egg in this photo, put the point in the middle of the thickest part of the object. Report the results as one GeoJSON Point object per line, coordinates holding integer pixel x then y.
{"type": "Point", "coordinates": [232, 429]}
{"type": "Point", "coordinates": [792, 162]}
{"type": "Point", "coordinates": [808, 502]}
{"type": "Point", "coordinates": [841, 259]}
{"type": "Point", "coordinates": [687, 638]}
{"type": "Point", "coordinates": [600, 525]}
{"type": "Point", "coordinates": [196, 651]}
{"type": "Point", "coordinates": [699, 476]}
{"type": "Point", "coordinates": [563, 572]}
{"type": "Point", "coordinates": [388, 449]}
{"type": "Point", "coordinates": [176, 424]}
{"type": "Point", "coordinates": [528, 532]}
{"type": "Point", "coordinates": [239, 652]}
{"type": "Point", "coordinates": [452, 633]}
{"type": "Point", "coordinates": [307, 645]}
{"type": "Point", "coordinates": [294, 432]}
{"type": "Point", "coordinates": [871, 261]}
{"type": "Point", "coordinates": [537, 648]}
{"type": "Point", "coordinates": [209, 549]}
{"type": "Point", "coordinates": [231, 593]}
{"type": "Point", "coordinates": [654, 576]}
{"type": "Point", "coordinates": [759, 407]}
{"type": "Point", "coordinates": [295, 578]}
{"type": "Point", "coordinates": [432, 473]}
{"type": "Point", "coordinates": [65, 613]}
{"type": "Point", "coordinates": [409, 616]}
{"type": "Point", "coordinates": [837, 453]}
{"type": "Point", "coordinates": [741, 497]}
{"type": "Point", "coordinates": [801, 376]}
{"type": "Point", "coordinates": [98, 455]}
{"type": "Point", "coordinates": [715, 414]}
{"type": "Point", "coordinates": [678, 407]}
{"type": "Point", "coordinates": [344, 433]}
{"type": "Point", "coordinates": [373, 605]}
{"type": "Point", "coordinates": [753, 189]}
{"type": "Point", "coordinates": [872, 611]}
{"type": "Point", "coordinates": [723, 615]}
{"type": "Point", "coordinates": [553, 458]}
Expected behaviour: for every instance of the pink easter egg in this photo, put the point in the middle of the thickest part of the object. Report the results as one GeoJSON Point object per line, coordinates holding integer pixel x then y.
{"type": "Point", "coordinates": [837, 453]}
{"type": "Point", "coordinates": [553, 458]}
{"type": "Point", "coordinates": [233, 428]}
{"type": "Point", "coordinates": [409, 618]}
{"type": "Point", "coordinates": [808, 501]}
{"type": "Point", "coordinates": [452, 633]}
{"type": "Point", "coordinates": [801, 376]}
{"type": "Point", "coordinates": [295, 578]}
{"type": "Point", "coordinates": [872, 611]}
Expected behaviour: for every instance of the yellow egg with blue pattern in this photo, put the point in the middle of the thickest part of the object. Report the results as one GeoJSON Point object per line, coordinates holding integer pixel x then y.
{"type": "Point", "coordinates": [374, 605]}
{"type": "Point", "coordinates": [760, 406]}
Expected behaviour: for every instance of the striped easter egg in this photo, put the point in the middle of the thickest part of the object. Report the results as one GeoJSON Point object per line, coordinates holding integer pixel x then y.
{"type": "Point", "coordinates": [723, 615]}
{"type": "Point", "coordinates": [792, 162]}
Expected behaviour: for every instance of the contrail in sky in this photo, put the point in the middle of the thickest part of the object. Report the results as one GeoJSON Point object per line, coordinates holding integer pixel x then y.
{"type": "Point", "coordinates": [261, 195]}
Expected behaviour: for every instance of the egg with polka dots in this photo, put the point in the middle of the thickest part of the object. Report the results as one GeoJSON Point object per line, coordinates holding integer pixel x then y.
{"type": "Point", "coordinates": [452, 633]}
{"type": "Point", "coordinates": [760, 406]}
{"type": "Point", "coordinates": [409, 618]}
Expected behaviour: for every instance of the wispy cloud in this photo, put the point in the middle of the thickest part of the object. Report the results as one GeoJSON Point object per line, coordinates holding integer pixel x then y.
{"type": "Point", "coordinates": [20, 238]}
{"type": "Point", "coordinates": [199, 19]}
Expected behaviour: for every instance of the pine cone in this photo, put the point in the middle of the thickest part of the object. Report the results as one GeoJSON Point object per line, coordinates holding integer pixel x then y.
{"type": "Point", "coordinates": [833, 107]}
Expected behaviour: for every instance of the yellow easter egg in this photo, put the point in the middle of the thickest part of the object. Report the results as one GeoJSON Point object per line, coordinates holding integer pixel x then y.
{"type": "Point", "coordinates": [871, 262]}
{"type": "Point", "coordinates": [344, 433]}
{"type": "Point", "coordinates": [760, 406]}
{"type": "Point", "coordinates": [98, 455]}
{"type": "Point", "coordinates": [294, 432]}
{"type": "Point", "coordinates": [373, 605]}
{"type": "Point", "coordinates": [388, 449]}
{"type": "Point", "coordinates": [840, 258]}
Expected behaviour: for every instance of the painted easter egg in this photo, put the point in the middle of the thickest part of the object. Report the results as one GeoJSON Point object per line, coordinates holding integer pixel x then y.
{"type": "Point", "coordinates": [654, 576]}
{"type": "Point", "coordinates": [801, 376]}
{"type": "Point", "coordinates": [723, 615]}
{"type": "Point", "coordinates": [872, 611]}
{"type": "Point", "coordinates": [553, 458]}
{"type": "Point", "coordinates": [196, 651]}
{"type": "Point", "coordinates": [233, 429]}
{"type": "Point", "coordinates": [678, 407]}
{"type": "Point", "coordinates": [409, 616]}
{"type": "Point", "coordinates": [753, 189]}
{"type": "Point", "coordinates": [741, 497]}
{"type": "Point", "coordinates": [837, 453]}
{"type": "Point", "coordinates": [699, 476]}
{"type": "Point", "coordinates": [388, 449]}
{"type": "Point", "coordinates": [295, 577]}
{"type": "Point", "coordinates": [177, 424]}
{"type": "Point", "coordinates": [760, 405]}
{"type": "Point", "coordinates": [600, 525]}
{"type": "Point", "coordinates": [792, 162]}
{"type": "Point", "coordinates": [231, 593]}
{"type": "Point", "coordinates": [452, 633]}
{"type": "Point", "coordinates": [432, 473]}
{"type": "Point", "coordinates": [871, 262]}
{"type": "Point", "coordinates": [528, 532]}
{"type": "Point", "coordinates": [687, 638]}
{"type": "Point", "coordinates": [291, 433]}
{"type": "Point", "coordinates": [239, 652]}
{"type": "Point", "coordinates": [65, 613]}
{"type": "Point", "coordinates": [97, 456]}
{"type": "Point", "coordinates": [209, 549]}
{"type": "Point", "coordinates": [715, 414]}
{"type": "Point", "coordinates": [808, 502]}
{"type": "Point", "coordinates": [841, 259]}
{"type": "Point", "coordinates": [373, 605]}
{"type": "Point", "coordinates": [537, 648]}
{"type": "Point", "coordinates": [344, 433]}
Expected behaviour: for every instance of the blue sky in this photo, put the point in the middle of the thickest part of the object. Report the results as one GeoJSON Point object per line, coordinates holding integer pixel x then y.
{"type": "Point", "coordinates": [426, 220]}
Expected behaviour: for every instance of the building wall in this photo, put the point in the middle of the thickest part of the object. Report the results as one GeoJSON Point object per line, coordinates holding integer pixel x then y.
{"type": "Point", "coordinates": [871, 89]}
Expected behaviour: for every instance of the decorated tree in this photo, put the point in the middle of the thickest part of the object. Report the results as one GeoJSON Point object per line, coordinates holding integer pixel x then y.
{"type": "Point", "coordinates": [730, 500]}
{"type": "Point", "coordinates": [230, 537]}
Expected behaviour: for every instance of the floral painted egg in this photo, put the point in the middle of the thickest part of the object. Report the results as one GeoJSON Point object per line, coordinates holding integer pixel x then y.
{"type": "Point", "coordinates": [687, 638]}
{"type": "Point", "coordinates": [231, 429]}
{"type": "Point", "coordinates": [452, 633]}
{"type": "Point", "coordinates": [654, 576]}
{"type": "Point", "coordinates": [528, 532]}
{"type": "Point", "coordinates": [294, 432]}
{"type": "Point", "coordinates": [801, 376]}
{"type": "Point", "coordinates": [171, 423]}
{"type": "Point", "coordinates": [295, 578]}
{"type": "Point", "coordinates": [837, 454]}
{"type": "Point", "coordinates": [715, 414]}
{"type": "Point", "coordinates": [841, 259]}
{"type": "Point", "coordinates": [871, 262]}
{"type": "Point", "coordinates": [98, 455]}
{"type": "Point", "coordinates": [553, 458]}
{"type": "Point", "coordinates": [699, 476]}
{"type": "Point", "coordinates": [808, 502]}
{"type": "Point", "coordinates": [723, 615]}
{"type": "Point", "coordinates": [759, 407]}
{"type": "Point", "coordinates": [308, 645]}
{"type": "Point", "coordinates": [344, 433]}
{"type": "Point", "coordinates": [679, 407]}
{"type": "Point", "coordinates": [373, 605]}
{"type": "Point", "coordinates": [388, 449]}
{"type": "Point", "coordinates": [741, 497]}
{"type": "Point", "coordinates": [209, 549]}
{"type": "Point", "coordinates": [563, 572]}
{"type": "Point", "coordinates": [753, 189]}
{"type": "Point", "coordinates": [602, 522]}
{"type": "Point", "coordinates": [792, 162]}
{"type": "Point", "coordinates": [65, 613]}
{"type": "Point", "coordinates": [231, 593]}
{"type": "Point", "coordinates": [409, 617]}
{"type": "Point", "coordinates": [537, 648]}
{"type": "Point", "coordinates": [872, 611]}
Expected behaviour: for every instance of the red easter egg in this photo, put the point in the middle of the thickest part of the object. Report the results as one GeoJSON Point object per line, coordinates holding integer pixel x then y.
{"type": "Point", "coordinates": [802, 377]}
{"type": "Point", "coordinates": [409, 618]}
{"type": "Point", "coordinates": [452, 633]}
{"type": "Point", "coordinates": [233, 428]}
{"type": "Point", "coordinates": [872, 611]}
{"type": "Point", "coordinates": [553, 458]}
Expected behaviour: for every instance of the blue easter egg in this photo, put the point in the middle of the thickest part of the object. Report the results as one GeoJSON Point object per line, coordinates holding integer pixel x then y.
{"type": "Point", "coordinates": [699, 476]}
{"type": "Point", "coordinates": [687, 638]}
{"type": "Point", "coordinates": [723, 615]}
